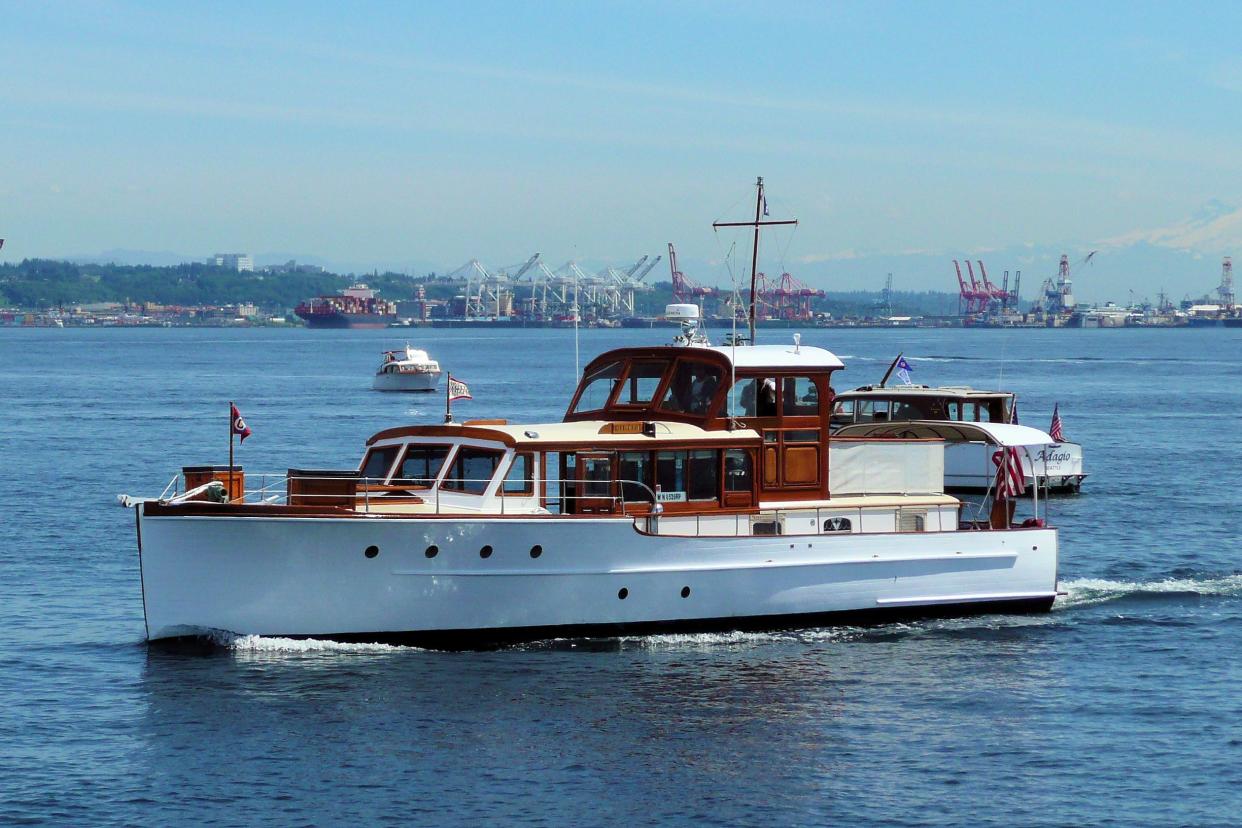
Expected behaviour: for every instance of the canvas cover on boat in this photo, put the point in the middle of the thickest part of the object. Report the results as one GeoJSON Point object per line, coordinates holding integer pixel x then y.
{"type": "Point", "coordinates": [860, 467]}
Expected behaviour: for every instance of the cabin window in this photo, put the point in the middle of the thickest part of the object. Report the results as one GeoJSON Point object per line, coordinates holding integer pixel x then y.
{"type": "Point", "coordinates": [671, 474]}
{"type": "Point", "coordinates": [688, 475]}
{"type": "Point", "coordinates": [520, 479]}
{"type": "Point", "coordinates": [753, 397]}
{"type": "Point", "coordinates": [598, 387]}
{"type": "Point", "coordinates": [704, 468]}
{"type": "Point", "coordinates": [738, 471]}
{"type": "Point", "coordinates": [420, 466]}
{"type": "Point", "coordinates": [642, 382]}
{"type": "Point", "coordinates": [905, 411]}
{"type": "Point", "coordinates": [378, 462]}
{"type": "Point", "coordinates": [472, 469]}
{"type": "Point", "coordinates": [569, 483]}
{"type": "Point", "coordinates": [873, 411]}
{"type": "Point", "coordinates": [970, 412]}
{"type": "Point", "coordinates": [596, 474]}
{"type": "Point", "coordinates": [634, 468]}
{"type": "Point", "coordinates": [843, 412]}
{"type": "Point", "coordinates": [692, 387]}
{"type": "Point", "coordinates": [799, 397]}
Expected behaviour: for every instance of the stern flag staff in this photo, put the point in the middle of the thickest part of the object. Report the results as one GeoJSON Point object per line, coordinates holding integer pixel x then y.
{"type": "Point", "coordinates": [237, 428]}
{"type": "Point", "coordinates": [455, 390]}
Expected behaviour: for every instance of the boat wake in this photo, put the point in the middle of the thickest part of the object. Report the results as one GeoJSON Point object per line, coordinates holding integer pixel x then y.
{"type": "Point", "coordinates": [1085, 592]}
{"type": "Point", "coordinates": [260, 644]}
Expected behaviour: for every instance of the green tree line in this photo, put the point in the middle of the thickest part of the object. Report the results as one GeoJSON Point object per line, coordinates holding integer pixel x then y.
{"type": "Point", "coordinates": [48, 283]}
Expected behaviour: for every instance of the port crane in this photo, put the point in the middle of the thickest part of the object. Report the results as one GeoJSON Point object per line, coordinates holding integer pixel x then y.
{"type": "Point", "coordinates": [684, 288]}
{"type": "Point", "coordinates": [1225, 290]}
{"type": "Point", "coordinates": [971, 300]}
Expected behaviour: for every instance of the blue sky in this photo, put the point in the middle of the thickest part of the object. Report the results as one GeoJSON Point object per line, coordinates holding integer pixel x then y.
{"type": "Point", "coordinates": [383, 133]}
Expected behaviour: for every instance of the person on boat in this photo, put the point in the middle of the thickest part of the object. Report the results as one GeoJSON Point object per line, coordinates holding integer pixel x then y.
{"type": "Point", "coordinates": [767, 399]}
{"type": "Point", "coordinates": [747, 401]}
{"type": "Point", "coordinates": [701, 392]}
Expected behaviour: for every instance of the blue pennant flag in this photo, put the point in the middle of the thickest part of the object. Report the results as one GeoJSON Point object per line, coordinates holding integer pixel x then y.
{"type": "Point", "coordinates": [903, 370]}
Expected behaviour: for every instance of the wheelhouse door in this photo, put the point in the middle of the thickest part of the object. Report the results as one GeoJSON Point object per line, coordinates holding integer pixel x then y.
{"type": "Point", "coordinates": [595, 483]}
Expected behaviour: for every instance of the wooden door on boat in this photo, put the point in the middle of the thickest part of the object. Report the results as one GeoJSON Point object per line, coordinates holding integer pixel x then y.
{"type": "Point", "coordinates": [595, 481]}
{"type": "Point", "coordinates": [739, 481]}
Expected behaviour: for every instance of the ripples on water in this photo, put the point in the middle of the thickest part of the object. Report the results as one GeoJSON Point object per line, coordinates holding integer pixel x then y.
{"type": "Point", "coordinates": [1120, 707]}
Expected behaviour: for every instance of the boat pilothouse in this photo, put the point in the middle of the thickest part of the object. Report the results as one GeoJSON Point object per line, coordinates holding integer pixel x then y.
{"type": "Point", "coordinates": [1057, 467]}
{"type": "Point", "coordinates": [686, 487]}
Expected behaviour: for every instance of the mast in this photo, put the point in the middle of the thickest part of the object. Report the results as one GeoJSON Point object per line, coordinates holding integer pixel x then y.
{"type": "Point", "coordinates": [754, 258]}
{"type": "Point", "coordinates": [760, 211]}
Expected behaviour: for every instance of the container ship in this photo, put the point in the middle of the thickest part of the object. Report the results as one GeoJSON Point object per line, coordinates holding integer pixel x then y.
{"type": "Point", "coordinates": [355, 307]}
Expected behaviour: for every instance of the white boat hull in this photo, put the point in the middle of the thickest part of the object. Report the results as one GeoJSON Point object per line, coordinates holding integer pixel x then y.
{"type": "Point", "coordinates": [421, 381]}
{"type": "Point", "coordinates": [969, 466]}
{"type": "Point", "coordinates": [311, 577]}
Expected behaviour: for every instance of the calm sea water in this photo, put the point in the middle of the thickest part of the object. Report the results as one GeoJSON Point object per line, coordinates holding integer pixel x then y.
{"type": "Point", "coordinates": [1123, 706]}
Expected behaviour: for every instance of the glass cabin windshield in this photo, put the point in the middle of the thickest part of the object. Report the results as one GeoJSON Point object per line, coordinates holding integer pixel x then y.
{"type": "Point", "coordinates": [597, 388]}
{"type": "Point", "coordinates": [692, 387]}
{"type": "Point", "coordinates": [642, 382]}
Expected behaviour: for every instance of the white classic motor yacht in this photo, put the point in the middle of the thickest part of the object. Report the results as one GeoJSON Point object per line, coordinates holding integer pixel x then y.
{"type": "Point", "coordinates": [408, 370]}
{"type": "Point", "coordinates": [968, 464]}
{"type": "Point", "coordinates": [687, 488]}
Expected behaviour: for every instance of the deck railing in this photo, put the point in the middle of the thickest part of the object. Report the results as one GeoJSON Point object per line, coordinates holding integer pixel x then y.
{"type": "Point", "coordinates": [372, 495]}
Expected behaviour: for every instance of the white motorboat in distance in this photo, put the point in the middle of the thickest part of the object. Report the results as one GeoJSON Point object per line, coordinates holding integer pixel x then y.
{"type": "Point", "coordinates": [408, 370]}
{"type": "Point", "coordinates": [968, 465]}
{"type": "Point", "coordinates": [688, 488]}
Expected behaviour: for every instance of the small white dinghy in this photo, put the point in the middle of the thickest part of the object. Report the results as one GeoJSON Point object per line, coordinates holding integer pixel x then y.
{"type": "Point", "coordinates": [408, 370]}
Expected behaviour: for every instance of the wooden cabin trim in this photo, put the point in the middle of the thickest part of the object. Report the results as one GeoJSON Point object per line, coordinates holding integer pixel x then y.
{"type": "Point", "coordinates": [456, 431]}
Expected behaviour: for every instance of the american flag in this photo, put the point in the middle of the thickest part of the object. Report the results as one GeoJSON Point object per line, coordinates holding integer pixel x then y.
{"type": "Point", "coordinates": [1010, 479]}
{"type": "Point", "coordinates": [1055, 430]}
{"type": "Point", "coordinates": [457, 390]}
{"type": "Point", "coordinates": [1013, 412]}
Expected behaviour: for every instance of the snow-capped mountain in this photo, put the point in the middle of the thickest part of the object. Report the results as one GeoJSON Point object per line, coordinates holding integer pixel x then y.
{"type": "Point", "coordinates": [1215, 228]}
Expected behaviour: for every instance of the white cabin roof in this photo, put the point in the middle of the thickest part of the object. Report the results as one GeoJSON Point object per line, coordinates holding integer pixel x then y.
{"type": "Point", "coordinates": [963, 391]}
{"type": "Point", "coordinates": [998, 434]}
{"type": "Point", "coordinates": [587, 433]}
{"type": "Point", "coordinates": [779, 356]}
{"type": "Point", "coordinates": [584, 435]}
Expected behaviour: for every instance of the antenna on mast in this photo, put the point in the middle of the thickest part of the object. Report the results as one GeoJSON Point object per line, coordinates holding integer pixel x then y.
{"type": "Point", "coordinates": [761, 209]}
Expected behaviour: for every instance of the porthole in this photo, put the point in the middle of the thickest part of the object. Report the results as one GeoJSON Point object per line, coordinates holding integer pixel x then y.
{"type": "Point", "coordinates": [623, 593]}
{"type": "Point", "coordinates": [685, 592]}
{"type": "Point", "coordinates": [371, 551]}
{"type": "Point", "coordinates": [486, 551]}
{"type": "Point", "coordinates": [536, 551]}
{"type": "Point", "coordinates": [432, 551]}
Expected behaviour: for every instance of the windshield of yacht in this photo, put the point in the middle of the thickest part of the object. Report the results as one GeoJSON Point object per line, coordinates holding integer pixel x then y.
{"type": "Point", "coordinates": [692, 387]}
{"type": "Point", "coordinates": [597, 388]}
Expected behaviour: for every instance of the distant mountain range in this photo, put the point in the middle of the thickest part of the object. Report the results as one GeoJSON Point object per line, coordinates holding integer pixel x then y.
{"type": "Point", "coordinates": [1182, 258]}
